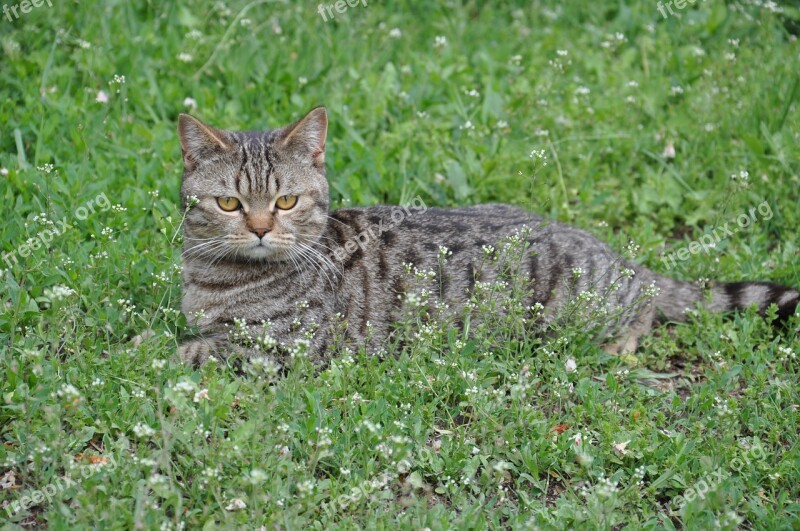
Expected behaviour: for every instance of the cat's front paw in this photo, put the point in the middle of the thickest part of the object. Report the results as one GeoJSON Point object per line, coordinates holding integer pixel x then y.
{"type": "Point", "coordinates": [196, 352]}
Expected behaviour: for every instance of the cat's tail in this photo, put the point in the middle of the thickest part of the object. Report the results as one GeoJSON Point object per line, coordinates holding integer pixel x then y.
{"type": "Point", "coordinates": [676, 297]}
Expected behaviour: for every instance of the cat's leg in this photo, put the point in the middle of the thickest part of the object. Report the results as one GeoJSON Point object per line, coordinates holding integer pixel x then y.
{"type": "Point", "coordinates": [628, 340]}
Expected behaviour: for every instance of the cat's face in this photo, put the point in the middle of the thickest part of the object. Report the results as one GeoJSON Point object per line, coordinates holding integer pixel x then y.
{"type": "Point", "coordinates": [260, 196]}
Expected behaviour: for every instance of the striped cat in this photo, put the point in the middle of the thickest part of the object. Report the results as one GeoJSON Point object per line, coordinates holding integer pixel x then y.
{"type": "Point", "coordinates": [267, 266]}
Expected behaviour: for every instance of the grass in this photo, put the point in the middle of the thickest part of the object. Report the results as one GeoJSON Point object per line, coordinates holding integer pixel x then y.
{"type": "Point", "coordinates": [462, 430]}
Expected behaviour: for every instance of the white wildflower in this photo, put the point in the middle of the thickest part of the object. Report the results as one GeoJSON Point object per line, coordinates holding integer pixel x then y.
{"type": "Point", "coordinates": [202, 394]}
{"type": "Point", "coordinates": [236, 504]}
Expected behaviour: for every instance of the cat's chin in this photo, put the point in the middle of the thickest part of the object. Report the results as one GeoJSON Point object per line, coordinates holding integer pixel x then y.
{"type": "Point", "coordinates": [260, 252]}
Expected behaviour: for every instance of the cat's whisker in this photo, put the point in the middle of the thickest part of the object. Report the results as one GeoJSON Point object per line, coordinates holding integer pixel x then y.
{"type": "Point", "coordinates": [205, 244]}
{"type": "Point", "coordinates": [201, 249]}
{"type": "Point", "coordinates": [210, 251]}
{"type": "Point", "coordinates": [187, 238]}
{"type": "Point", "coordinates": [318, 243]}
{"type": "Point", "coordinates": [320, 236]}
{"type": "Point", "coordinates": [296, 264]}
{"type": "Point", "coordinates": [312, 257]}
{"type": "Point", "coordinates": [322, 266]}
{"type": "Point", "coordinates": [337, 221]}
{"type": "Point", "coordinates": [322, 257]}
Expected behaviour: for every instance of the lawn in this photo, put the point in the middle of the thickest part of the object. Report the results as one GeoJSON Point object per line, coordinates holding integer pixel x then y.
{"type": "Point", "coordinates": [649, 130]}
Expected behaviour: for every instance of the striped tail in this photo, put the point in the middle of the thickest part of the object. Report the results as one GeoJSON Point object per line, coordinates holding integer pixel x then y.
{"type": "Point", "coordinates": [676, 296]}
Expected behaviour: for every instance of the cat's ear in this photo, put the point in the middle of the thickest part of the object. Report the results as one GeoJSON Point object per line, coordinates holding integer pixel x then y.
{"type": "Point", "coordinates": [200, 141]}
{"type": "Point", "coordinates": [307, 137]}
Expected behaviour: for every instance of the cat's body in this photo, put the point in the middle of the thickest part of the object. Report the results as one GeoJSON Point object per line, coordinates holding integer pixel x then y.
{"type": "Point", "coordinates": [308, 273]}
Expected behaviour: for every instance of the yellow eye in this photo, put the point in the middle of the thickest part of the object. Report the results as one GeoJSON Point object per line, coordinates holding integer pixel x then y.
{"type": "Point", "coordinates": [228, 204]}
{"type": "Point", "coordinates": [285, 202]}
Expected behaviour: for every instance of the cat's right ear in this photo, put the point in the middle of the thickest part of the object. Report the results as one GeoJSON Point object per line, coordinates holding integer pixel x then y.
{"type": "Point", "coordinates": [200, 141]}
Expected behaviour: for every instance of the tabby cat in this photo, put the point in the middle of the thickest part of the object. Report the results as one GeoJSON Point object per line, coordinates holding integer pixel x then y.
{"type": "Point", "coordinates": [268, 267]}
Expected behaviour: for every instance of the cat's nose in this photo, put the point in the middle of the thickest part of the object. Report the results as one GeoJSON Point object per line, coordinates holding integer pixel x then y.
{"type": "Point", "coordinates": [260, 232]}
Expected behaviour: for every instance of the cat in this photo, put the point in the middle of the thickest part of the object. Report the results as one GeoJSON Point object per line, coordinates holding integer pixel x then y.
{"type": "Point", "coordinates": [269, 270]}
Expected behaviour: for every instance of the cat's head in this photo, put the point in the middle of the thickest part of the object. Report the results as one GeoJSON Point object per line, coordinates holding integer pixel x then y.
{"type": "Point", "coordinates": [259, 196]}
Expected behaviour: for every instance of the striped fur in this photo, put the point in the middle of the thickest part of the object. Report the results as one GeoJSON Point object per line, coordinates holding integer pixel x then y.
{"type": "Point", "coordinates": [316, 274]}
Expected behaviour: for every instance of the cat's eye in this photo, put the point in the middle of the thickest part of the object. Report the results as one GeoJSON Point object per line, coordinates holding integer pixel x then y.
{"type": "Point", "coordinates": [228, 204]}
{"type": "Point", "coordinates": [285, 202]}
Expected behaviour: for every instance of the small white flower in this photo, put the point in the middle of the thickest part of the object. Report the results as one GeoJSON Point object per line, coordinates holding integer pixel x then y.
{"type": "Point", "coordinates": [395, 33]}
{"type": "Point", "coordinates": [202, 394]}
{"type": "Point", "coordinates": [571, 365]}
{"type": "Point", "coordinates": [58, 292]}
{"type": "Point", "coordinates": [185, 57]}
{"type": "Point", "coordinates": [236, 505]}
{"type": "Point", "coordinates": [669, 151]}
{"type": "Point", "coordinates": [184, 386]}
{"type": "Point", "coordinates": [102, 96]}
{"type": "Point", "coordinates": [142, 430]}
{"type": "Point", "coordinates": [440, 41]}
{"type": "Point", "coordinates": [190, 103]}
{"type": "Point", "coordinates": [4, 172]}
{"type": "Point", "coordinates": [68, 391]}
{"type": "Point", "coordinates": [302, 81]}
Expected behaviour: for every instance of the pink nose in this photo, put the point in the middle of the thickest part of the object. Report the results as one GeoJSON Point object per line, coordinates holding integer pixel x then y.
{"type": "Point", "coordinates": [259, 232]}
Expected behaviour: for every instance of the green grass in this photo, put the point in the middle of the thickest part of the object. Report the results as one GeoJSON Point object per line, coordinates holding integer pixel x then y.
{"type": "Point", "coordinates": [467, 430]}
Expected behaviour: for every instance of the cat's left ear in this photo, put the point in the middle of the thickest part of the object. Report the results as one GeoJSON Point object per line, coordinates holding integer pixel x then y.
{"type": "Point", "coordinates": [307, 137]}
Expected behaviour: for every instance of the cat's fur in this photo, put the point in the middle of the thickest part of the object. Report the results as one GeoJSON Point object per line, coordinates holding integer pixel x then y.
{"type": "Point", "coordinates": [297, 278]}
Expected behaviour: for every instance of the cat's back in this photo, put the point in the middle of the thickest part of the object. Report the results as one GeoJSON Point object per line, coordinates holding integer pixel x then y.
{"type": "Point", "coordinates": [418, 217]}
